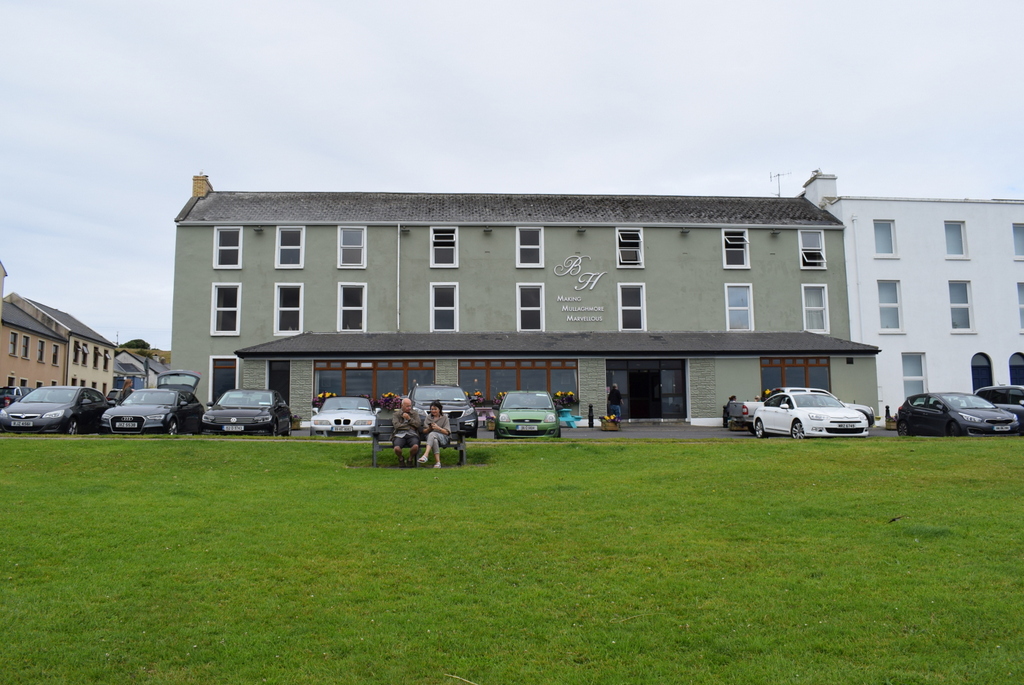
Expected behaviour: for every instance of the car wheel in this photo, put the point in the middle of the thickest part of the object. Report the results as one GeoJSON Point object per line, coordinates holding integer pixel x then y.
{"type": "Point", "coordinates": [497, 435]}
{"type": "Point", "coordinates": [72, 428]}
{"type": "Point", "coordinates": [902, 428]}
{"type": "Point", "coordinates": [172, 427]}
{"type": "Point", "coordinates": [953, 430]}
{"type": "Point", "coordinates": [796, 431]}
{"type": "Point", "coordinates": [287, 430]}
{"type": "Point", "coordinates": [870, 418]}
{"type": "Point", "coordinates": [759, 430]}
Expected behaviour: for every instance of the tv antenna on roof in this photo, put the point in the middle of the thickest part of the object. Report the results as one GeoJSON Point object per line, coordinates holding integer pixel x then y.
{"type": "Point", "coordinates": [777, 178]}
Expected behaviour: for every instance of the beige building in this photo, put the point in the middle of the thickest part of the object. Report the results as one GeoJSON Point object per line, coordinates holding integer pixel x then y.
{"type": "Point", "coordinates": [46, 346]}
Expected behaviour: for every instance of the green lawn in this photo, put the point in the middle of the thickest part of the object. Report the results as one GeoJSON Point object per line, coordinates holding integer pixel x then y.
{"type": "Point", "coordinates": [732, 561]}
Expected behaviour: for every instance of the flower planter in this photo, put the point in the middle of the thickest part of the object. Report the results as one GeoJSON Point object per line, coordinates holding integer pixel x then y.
{"type": "Point", "coordinates": [609, 426]}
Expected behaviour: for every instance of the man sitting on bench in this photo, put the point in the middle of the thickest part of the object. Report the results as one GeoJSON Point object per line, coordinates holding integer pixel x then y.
{"type": "Point", "coordinates": [406, 433]}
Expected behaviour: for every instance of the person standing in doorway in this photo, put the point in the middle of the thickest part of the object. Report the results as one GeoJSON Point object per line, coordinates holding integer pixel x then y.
{"type": "Point", "coordinates": [615, 401]}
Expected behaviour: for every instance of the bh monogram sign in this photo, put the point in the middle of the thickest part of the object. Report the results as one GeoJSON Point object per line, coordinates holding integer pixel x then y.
{"type": "Point", "coordinates": [573, 266]}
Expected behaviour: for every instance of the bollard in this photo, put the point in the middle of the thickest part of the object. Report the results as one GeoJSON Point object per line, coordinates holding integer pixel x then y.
{"type": "Point", "coordinates": [590, 415]}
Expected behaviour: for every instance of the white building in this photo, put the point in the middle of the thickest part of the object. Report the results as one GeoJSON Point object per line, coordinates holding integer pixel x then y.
{"type": "Point", "coordinates": [937, 285]}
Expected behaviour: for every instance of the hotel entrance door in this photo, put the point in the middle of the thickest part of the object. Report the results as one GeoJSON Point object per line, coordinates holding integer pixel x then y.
{"type": "Point", "coordinates": [651, 389]}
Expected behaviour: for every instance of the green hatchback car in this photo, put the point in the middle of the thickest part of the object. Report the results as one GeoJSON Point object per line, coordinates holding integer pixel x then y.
{"type": "Point", "coordinates": [527, 413]}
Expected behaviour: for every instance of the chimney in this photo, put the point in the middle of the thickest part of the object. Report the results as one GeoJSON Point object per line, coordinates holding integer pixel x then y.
{"type": "Point", "coordinates": [820, 188]}
{"type": "Point", "coordinates": [201, 186]}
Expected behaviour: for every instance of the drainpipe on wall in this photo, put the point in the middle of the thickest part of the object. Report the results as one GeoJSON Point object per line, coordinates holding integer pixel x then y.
{"type": "Point", "coordinates": [398, 278]}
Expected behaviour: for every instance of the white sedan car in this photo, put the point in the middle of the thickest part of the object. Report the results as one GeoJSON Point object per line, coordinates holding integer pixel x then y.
{"type": "Point", "coordinates": [344, 416]}
{"type": "Point", "coordinates": [808, 415]}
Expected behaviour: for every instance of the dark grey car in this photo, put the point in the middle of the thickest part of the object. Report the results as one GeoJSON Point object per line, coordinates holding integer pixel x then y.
{"type": "Point", "coordinates": [1008, 398]}
{"type": "Point", "coordinates": [953, 414]}
{"type": "Point", "coordinates": [454, 401]}
{"type": "Point", "coordinates": [56, 409]}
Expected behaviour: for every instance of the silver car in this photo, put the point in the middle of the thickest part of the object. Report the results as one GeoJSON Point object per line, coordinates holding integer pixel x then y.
{"type": "Point", "coordinates": [344, 416]}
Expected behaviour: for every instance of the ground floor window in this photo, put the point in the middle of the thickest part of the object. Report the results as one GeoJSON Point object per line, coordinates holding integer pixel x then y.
{"type": "Point", "coordinates": [913, 374]}
{"type": "Point", "coordinates": [223, 376]}
{"type": "Point", "coordinates": [1017, 369]}
{"type": "Point", "coordinates": [492, 376]}
{"type": "Point", "coordinates": [981, 371]}
{"type": "Point", "coordinates": [372, 378]}
{"type": "Point", "coordinates": [651, 388]}
{"type": "Point", "coordinates": [795, 372]}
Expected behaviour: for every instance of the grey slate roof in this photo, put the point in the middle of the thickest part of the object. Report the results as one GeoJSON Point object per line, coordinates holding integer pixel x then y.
{"type": "Point", "coordinates": [15, 317]}
{"type": "Point", "coordinates": [78, 328]}
{"type": "Point", "coordinates": [463, 208]}
{"type": "Point", "coordinates": [653, 344]}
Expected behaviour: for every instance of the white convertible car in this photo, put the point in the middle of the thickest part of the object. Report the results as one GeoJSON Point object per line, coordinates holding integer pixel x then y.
{"type": "Point", "coordinates": [344, 416]}
{"type": "Point", "coordinates": [808, 415]}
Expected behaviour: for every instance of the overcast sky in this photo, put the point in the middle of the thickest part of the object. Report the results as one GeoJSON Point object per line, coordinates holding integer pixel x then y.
{"type": "Point", "coordinates": [107, 109]}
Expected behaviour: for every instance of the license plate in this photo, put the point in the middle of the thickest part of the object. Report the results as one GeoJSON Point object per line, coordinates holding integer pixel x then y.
{"type": "Point", "coordinates": [1002, 428]}
{"type": "Point", "coordinates": [847, 425]}
{"type": "Point", "coordinates": [236, 429]}
{"type": "Point", "coordinates": [128, 425]}
{"type": "Point", "coordinates": [27, 424]}
{"type": "Point", "coordinates": [526, 428]}
{"type": "Point", "coordinates": [341, 429]}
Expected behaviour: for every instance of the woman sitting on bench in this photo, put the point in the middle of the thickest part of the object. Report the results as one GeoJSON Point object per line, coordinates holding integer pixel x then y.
{"type": "Point", "coordinates": [437, 428]}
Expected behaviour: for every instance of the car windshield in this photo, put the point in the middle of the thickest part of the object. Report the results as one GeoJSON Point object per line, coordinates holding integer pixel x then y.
{"type": "Point", "coordinates": [246, 398]}
{"type": "Point", "coordinates": [341, 403]}
{"type": "Point", "coordinates": [178, 379]}
{"type": "Point", "coordinates": [427, 395]}
{"type": "Point", "coordinates": [815, 400]}
{"type": "Point", "coordinates": [161, 397]}
{"type": "Point", "coordinates": [51, 396]}
{"type": "Point", "coordinates": [538, 400]}
{"type": "Point", "coordinates": [966, 402]}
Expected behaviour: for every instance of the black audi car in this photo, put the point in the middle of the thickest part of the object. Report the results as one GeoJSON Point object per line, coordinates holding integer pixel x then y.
{"type": "Point", "coordinates": [154, 411]}
{"type": "Point", "coordinates": [55, 409]}
{"type": "Point", "coordinates": [248, 411]}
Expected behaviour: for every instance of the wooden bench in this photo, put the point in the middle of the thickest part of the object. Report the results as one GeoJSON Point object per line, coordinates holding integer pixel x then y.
{"type": "Point", "coordinates": [382, 432]}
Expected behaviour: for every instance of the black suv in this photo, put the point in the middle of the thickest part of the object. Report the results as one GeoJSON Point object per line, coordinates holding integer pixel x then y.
{"type": "Point", "coordinates": [1007, 397]}
{"type": "Point", "coordinates": [453, 400]}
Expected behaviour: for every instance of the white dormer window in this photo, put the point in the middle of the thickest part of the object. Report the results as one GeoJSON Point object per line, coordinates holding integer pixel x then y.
{"type": "Point", "coordinates": [812, 250]}
{"type": "Point", "coordinates": [735, 249]}
{"type": "Point", "coordinates": [290, 247]}
{"type": "Point", "coordinates": [444, 247]}
{"type": "Point", "coordinates": [630, 247]}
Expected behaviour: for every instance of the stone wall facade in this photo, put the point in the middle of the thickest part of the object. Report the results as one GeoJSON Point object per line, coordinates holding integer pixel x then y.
{"type": "Point", "coordinates": [254, 373]}
{"type": "Point", "coordinates": [703, 402]}
{"type": "Point", "coordinates": [446, 371]}
{"type": "Point", "coordinates": [301, 388]}
{"type": "Point", "coordinates": [593, 380]}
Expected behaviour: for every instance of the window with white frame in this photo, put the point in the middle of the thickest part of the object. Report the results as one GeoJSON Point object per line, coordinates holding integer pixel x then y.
{"type": "Point", "coordinates": [815, 299]}
{"type": "Point", "coordinates": [885, 239]}
{"type": "Point", "coordinates": [1020, 303]}
{"type": "Point", "coordinates": [25, 344]}
{"type": "Point", "coordinates": [55, 358]}
{"type": "Point", "coordinates": [960, 305]}
{"type": "Point", "coordinates": [1018, 241]}
{"type": "Point", "coordinates": [735, 249]}
{"type": "Point", "coordinates": [41, 351]}
{"type": "Point", "coordinates": [290, 247]}
{"type": "Point", "coordinates": [630, 247]}
{"type": "Point", "coordinates": [530, 306]}
{"type": "Point", "coordinates": [12, 347]}
{"type": "Point", "coordinates": [227, 247]}
{"type": "Point", "coordinates": [739, 310]}
{"type": "Point", "coordinates": [890, 317]}
{"type": "Point", "coordinates": [956, 241]}
{"type": "Point", "coordinates": [913, 374]}
{"type": "Point", "coordinates": [631, 307]}
{"type": "Point", "coordinates": [227, 303]}
{"type": "Point", "coordinates": [351, 306]}
{"type": "Point", "coordinates": [287, 308]}
{"type": "Point", "coordinates": [351, 247]}
{"type": "Point", "coordinates": [529, 247]}
{"type": "Point", "coordinates": [444, 247]}
{"type": "Point", "coordinates": [444, 306]}
{"type": "Point", "coordinates": [812, 250]}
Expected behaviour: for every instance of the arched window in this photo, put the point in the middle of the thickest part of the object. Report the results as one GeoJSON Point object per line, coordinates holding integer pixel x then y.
{"type": "Point", "coordinates": [1017, 369]}
{"type": "Point", "coordinates": [981, 371]}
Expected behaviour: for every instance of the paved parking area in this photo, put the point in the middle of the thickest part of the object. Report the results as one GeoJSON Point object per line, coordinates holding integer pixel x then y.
{"type": "Point", "coordinates": [675, 431]}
